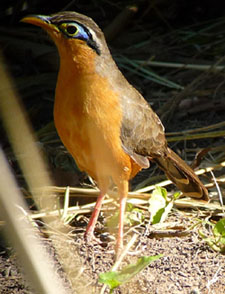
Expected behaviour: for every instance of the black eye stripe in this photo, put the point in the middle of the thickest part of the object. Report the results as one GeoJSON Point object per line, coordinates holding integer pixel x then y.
{"type": "Point", "coordinates": [90, 42]}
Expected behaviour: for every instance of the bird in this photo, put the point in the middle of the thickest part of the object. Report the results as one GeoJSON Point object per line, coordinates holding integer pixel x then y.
{"type": "Point", "coordinates": [103, 121]}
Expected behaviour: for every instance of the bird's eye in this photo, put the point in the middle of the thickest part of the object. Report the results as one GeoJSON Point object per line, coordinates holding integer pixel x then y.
{"type": "Point", "coordinates": [72, 30]}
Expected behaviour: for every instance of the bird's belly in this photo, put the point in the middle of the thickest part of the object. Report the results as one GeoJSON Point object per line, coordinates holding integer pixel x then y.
{"type": "Point", "coordinates": [92, 148]}
{"type": "Point", "coordinates": [73, 136]}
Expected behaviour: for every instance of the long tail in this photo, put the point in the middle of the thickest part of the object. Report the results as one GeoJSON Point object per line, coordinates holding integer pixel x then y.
{"type": "Point", "coordinates": [182, 175]}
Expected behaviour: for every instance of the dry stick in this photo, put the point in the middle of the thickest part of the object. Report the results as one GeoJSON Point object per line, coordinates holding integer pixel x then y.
{"type": "Point", "coordinates": [202, 67]}
{"type": "Point", "coordinates": [121, 257]}
{"type": "Point", "coordinates": [214, 278]}
{"type": "Point", "coordinates": [84, 192]}
{"type": "Point", "coordinates": [218, 190]}
{"type": "Point", "coordinates": [88, 208]}
{"type": "Point", "coordinates": [202, 129]}
{"type": "Point", "coordinates": [187, 136]}
{"type": "Point", "coordinates": [167, 111]}
{"type": "Point", "coordinates": [66, 203]}
{"type": "Point", "coordinates": [24, 238]}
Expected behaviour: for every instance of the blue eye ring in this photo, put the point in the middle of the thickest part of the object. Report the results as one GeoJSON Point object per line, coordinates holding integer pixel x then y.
{"type": "Point", "coordinates": [73, 30]}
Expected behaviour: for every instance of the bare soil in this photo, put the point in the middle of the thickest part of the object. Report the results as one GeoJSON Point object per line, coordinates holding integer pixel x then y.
{"type": "Point", "coordinates": [188, 264]}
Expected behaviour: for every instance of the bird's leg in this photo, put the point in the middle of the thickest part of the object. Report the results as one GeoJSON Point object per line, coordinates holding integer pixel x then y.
{"type": "Point", "coordinates": [123, 191]}
{"type": "Point", "coordinates": [92, 222]}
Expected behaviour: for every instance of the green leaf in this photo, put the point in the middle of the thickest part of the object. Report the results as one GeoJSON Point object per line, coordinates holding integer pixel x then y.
{"type": "Point", "coordinates": [133, 216]}
{"type": "Point", "coordinates": [162, 191]}
{"type": "Point", "coordinates": [159, 205]}
{"type": "Point", "coordinates": [114, 279]}
{"type": "Point", "coordinates": [167, 210]}
{"type": "Point", "coordinates": [113, 221]}
{"type": "Point", "coordinates": [217, 240]}
{"type": "Point", "coordinates": [219, 228]}
{"type": "Point", "coordinates": [129, 207]}
{"type": "Point", "coordinates": [176, 195]}
{"type": "Point", "coordinates": [157, 202]}
{"type": "Point", "coordinates": [219, 231]}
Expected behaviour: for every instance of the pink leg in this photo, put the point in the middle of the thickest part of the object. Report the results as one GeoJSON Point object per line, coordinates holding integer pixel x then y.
{"type": "Point", "coordinates": [123, 190]}
{"type": "Point", "coordinates": [92, 222]}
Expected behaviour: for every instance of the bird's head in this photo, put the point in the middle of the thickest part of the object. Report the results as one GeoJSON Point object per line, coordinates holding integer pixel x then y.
{"type": "Point", "coordinates": [74, 34]}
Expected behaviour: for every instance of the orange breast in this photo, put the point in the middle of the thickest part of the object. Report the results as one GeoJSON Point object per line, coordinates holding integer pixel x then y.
{"type": "Point", "coordinates": [88, 119]}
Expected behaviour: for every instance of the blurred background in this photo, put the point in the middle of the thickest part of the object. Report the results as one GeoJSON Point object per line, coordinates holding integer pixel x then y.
{"type": "Point", "coordinates": [151, 41]}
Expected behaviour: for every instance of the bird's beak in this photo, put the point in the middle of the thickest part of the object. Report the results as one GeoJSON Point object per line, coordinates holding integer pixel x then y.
{"type": "Point", "coordinates": [41, 21]}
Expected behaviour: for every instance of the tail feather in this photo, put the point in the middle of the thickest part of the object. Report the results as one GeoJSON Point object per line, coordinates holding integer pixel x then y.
{"type": "Point", "coordinates": [182, 175]}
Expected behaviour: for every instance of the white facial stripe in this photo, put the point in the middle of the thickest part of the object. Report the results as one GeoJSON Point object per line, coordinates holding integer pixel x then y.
{"type": "Point", "coordinates": [94, 36]}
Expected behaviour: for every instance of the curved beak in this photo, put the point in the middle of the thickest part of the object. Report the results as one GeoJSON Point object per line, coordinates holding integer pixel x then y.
{"type": "Point", "coordinates": [43, 21]}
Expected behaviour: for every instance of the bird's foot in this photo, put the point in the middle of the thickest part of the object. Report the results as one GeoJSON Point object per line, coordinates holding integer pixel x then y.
{"type": "Point", "coordinates": [90, 238]}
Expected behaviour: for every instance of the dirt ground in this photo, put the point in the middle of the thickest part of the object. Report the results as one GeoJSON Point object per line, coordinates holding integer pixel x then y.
{"type": "Point", "coordinates": [188, 264]}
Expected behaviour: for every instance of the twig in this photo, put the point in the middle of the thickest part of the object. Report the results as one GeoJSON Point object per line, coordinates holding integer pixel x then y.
{"type": "Point", "coordinates": [121, 257]}
{"type": "Point", "coordinates": [182, 65]}
{"type": "Point", "coordinates": [219, 191]}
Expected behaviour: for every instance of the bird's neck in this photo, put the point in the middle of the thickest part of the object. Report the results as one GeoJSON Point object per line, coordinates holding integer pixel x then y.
{"type": "Point", "coordinates": [77, 59]}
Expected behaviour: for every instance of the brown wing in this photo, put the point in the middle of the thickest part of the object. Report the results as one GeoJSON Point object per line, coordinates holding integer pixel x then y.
{"type": "Point", "coordinates": [142, 132]}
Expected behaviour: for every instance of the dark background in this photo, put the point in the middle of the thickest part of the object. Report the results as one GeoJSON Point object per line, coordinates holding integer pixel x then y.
{"type": "Point", "coordinates": [187, 32]}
